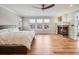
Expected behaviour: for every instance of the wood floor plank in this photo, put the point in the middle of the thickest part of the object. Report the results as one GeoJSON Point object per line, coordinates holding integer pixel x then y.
{"type": "Point", "coordinates": [52, 44]}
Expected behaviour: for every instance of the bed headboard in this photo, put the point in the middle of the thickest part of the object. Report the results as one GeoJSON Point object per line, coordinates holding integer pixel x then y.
{"type": "Point", "coordinates": [7, 26]}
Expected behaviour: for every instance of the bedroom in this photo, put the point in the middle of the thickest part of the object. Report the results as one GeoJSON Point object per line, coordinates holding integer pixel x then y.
{"type": "Point", "coordinates": [36, 29]}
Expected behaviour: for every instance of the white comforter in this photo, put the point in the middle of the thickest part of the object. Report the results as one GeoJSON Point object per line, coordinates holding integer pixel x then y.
{"type": "Point", "coordinates": [22, 37]}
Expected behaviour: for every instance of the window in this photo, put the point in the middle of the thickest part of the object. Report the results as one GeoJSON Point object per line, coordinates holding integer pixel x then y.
{"type": "Point", "coordinates": [39, 26]}
{"type": "Point", "coordinates": [40, 23]}
{"type": "Point", "coordinates": [31, 20]}
{"type": "Point", "coordinates": [32, 26]}
{"type": "Point", "coordinates": [46, 20]}
{"type": "Point", "coordinates": [39, 20]}
{"type": "Point", "coordinates": [46, 26]}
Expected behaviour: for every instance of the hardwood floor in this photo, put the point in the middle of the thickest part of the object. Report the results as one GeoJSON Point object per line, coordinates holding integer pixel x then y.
{"type": "Point", "coordinates": [52, 45]}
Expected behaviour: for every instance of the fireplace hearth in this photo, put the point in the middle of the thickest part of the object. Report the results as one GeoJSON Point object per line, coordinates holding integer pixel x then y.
{"type": "Point", "coordinates": [63, 30]}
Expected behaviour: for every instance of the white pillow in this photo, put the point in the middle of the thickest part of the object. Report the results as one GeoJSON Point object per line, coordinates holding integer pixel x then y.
{"type": "Point", "coordinates": [13, 30]}
{"type": "Point", "coordinates": [9, 30]}
{"type": "Point", "coordinates": [4, 30]}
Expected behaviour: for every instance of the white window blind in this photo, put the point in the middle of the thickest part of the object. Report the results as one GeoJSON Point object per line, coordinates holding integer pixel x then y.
{"type": "Point", "coordinates": [39, 20]}
{"type": "Point", "coordinates": [46, 20]}
{"type": "Point", "coordinates": [31, 20]}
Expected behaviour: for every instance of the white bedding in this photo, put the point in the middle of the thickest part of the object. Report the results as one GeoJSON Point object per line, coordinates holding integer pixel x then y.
{"type": "Point", "coordinates": [21, 37]}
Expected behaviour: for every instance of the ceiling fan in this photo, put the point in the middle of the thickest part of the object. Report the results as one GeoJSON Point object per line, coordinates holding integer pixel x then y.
{"type": "Point", "coordinates": [44, 6]}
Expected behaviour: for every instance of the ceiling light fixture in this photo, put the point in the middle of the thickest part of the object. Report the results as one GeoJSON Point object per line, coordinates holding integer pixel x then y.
{"type": "Point", "coordinates": [44, 6]}
{"type": "Point", "coordinates": [71, 5]}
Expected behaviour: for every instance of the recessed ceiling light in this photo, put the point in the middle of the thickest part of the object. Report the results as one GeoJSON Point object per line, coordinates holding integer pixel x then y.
{"type": "Point", "coordinates": [71, 5]}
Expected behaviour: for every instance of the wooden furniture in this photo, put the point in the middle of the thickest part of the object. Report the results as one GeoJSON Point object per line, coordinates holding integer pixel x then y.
{"type": "Point", "coordinates": [12, 49]}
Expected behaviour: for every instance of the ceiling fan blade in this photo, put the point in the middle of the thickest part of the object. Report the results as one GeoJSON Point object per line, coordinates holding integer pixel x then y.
{"type": "Point", "coordinates": [43, 6]}
{"type": "Point", "coordinates": [36, 7]}
{"type": "Point", "coordinates": [52, 5]}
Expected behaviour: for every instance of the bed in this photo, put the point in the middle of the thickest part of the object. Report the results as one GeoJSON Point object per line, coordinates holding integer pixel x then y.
{"type": "Point", "coordinates": [15, 42]}
{"type": "Point", "coordinates": [11, 49]}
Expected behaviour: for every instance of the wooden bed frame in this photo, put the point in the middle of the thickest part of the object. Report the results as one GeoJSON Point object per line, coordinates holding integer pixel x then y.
{"type": "Point", "coordinates": [13, 49]}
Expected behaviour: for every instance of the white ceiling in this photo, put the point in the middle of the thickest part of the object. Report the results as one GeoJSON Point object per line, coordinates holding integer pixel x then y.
{"type": "Point", "coordinates": [27, 9]}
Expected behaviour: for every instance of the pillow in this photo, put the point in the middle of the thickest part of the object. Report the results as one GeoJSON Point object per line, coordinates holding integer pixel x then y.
{"type": "Point", "coordinates": [4, 30]}
{"type": "Point", "coordinates": [9, 30]}
{"type": "Point", "coordinates": [13, 30]}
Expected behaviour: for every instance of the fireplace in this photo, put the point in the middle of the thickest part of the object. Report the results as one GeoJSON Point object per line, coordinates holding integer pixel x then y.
{"type": "Point", "coordinates": [63, 30]}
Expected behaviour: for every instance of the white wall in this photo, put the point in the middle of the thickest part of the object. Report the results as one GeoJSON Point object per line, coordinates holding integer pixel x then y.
{"type": "Point", "coordinates": [71, 27]}
{"type": "Point", "coordinates": [76, 18]}
{"type": "Point", "coordinates": [8, 18]}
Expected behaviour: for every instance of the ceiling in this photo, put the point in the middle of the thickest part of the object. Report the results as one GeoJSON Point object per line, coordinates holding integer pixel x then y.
{"type": "Point", "coordinates": [26, 10]}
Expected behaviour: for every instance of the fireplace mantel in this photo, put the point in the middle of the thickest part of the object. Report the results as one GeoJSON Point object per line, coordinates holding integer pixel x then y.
{"type": "Point", "coordinates": [63, 23]}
